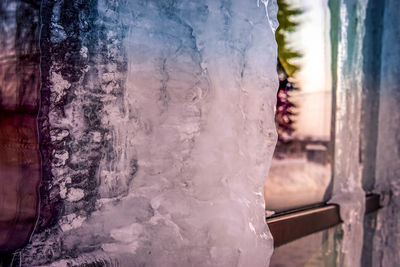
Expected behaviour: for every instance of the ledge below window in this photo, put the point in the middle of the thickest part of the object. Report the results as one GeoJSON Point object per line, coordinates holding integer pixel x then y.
{"type": "Point", "coordinates": [290, 226]}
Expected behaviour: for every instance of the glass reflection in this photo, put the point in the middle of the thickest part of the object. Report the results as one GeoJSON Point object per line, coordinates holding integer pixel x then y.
{"type": "Point", "coordinates": [318, 249]}
{"type": "Point", "coordinates": [300, 172]}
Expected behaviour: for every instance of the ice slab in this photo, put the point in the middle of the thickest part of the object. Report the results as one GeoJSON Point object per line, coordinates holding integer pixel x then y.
{"type": "Point", "coordinates": [158, 122]}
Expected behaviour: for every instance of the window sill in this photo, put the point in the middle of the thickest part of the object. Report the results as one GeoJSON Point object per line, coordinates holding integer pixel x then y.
{"type": "Point", "coordinates": [290, 226]}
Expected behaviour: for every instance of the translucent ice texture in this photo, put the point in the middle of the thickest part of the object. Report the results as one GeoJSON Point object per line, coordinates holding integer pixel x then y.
{"type": "Point", "coordinates": [158, 130]}
{"type": "Point", "coordinates": [347, 32]}
{"type": "Point", "coordinates": [367, 84]}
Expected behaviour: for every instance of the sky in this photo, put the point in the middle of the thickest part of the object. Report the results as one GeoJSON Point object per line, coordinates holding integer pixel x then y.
{"type": "Point", "coordinates": [312, 40]}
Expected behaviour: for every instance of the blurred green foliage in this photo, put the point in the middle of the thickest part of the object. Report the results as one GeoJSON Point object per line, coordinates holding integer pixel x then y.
{"type": "Point", "coordinates": [287, 24]}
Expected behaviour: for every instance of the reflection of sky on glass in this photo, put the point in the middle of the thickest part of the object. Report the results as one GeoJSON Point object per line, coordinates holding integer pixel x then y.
{"type": "Point", "coordinates": [300, 176]}
{"type": "Point", "coordinates": [312, 40]}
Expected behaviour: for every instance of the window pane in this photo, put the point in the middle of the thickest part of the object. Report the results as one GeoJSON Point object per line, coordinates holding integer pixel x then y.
{"type": "Point", "coordinates": [318, 249]}
{"type": "Point", "coordinates": [300, 172]}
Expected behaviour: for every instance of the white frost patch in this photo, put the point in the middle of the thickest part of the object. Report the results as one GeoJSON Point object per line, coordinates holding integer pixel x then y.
{"type": "Point", "coordinates": [269, 213]}
{"type": "Point", "coordinates": [58, 33]}
{"type": "Point", "coordinates": [70, 222]}
{"type": "Point", "coordinates": [96, 137]}
{"type": "Point", "coordinates": [245, 202]}
{"type": "Point", "coordinates": [129, 237]}
{"type": "Point", "coordinates": [270, 11]}
{"type": "Point", "coordinates": [258, 193]}
{"type": "Point", "coordinates": [111, 34]}
{"type": "Point", "coordinates": [110, 77]}
{"type": "Point", "coordinates": [252, 227]}
{"type": "Point", "coordinates": [59, 136]}
{"type": "Point", "coordinates": [61, 157]}
{"type": "Point", "coordinates": [84, 51]}
{"type": "Point", "coordinates": [127, 234]}
{"type": "Point", "coordinates": [59, 85]}
{"type": "Point", "coordinates": [75, 194]}
{"type": "Point", "coordinates": [63, 188]}
{"type": "Point", "coordinates": [63, 191]}
{"type": "Point", "coordinates": [264, 236]}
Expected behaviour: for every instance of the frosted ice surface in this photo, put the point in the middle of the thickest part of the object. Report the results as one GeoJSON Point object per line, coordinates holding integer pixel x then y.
{"type": "Point", "coordinates": [169, 132]}
{"type": "Point", "coordinates": [347, 188]}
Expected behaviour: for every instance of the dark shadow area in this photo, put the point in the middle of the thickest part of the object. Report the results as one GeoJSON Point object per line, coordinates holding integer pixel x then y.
{"type": "Point", "coordinates": [19, 98]}
{"type": "Point", "coordinates": [372, 50]}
